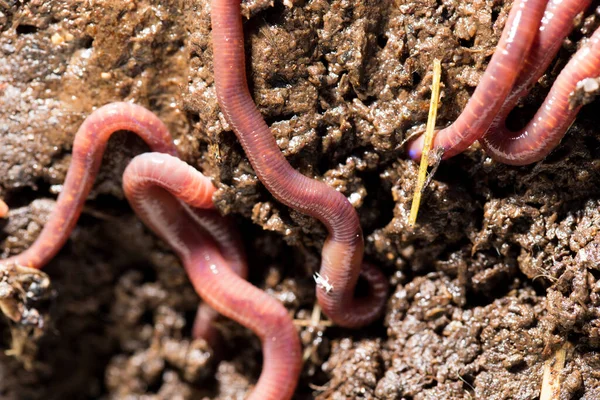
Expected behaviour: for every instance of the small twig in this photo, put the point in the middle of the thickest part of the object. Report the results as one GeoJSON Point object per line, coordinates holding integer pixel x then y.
{"type": "Point", "coordinates": [303, 323]}
{"type": "Point", "coordinates": [468, 384]}
{"type": "Point", "coordinates": [315, 319]}
{"type": "Point", "coordinates": [429, 131]}
{"type": "Point", "coordinates": [552, 370]}
{"type": "Point", "coordinates": [101, 215]}
{"type": "Point", "coordinates": [318, 388]}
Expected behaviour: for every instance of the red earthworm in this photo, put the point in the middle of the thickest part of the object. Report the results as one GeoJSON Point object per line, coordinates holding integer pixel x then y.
{"type": "Point", "coordinates": [495, 84]}
{"type": "Point", "coordinates": [555, 26]}
{"type": "Point", "coordinates": [343, 250]}
{"type": "Point", "coordinates": [3, 209]}
{"type": "Point", "coordinates": [88, 148]}
{"type": "Point", "coordinates": [550, 123]}
{"type": "Point", "coordinates": [198, 193]}
{"type": "Point", "coordinates": [230, 245]}
{"type": "Point", "coordinates": [224, 234]}
{"type": "Point", "coordinates": [155, 187]}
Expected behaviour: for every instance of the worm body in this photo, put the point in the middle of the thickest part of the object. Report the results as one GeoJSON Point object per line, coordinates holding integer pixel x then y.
{"type": "Point", "coordinates": [495, 85]}
{"type": "Point", "coordinates": [554, 117]}
{"type": "Point", "coordinates": [3, 209]}
{"type": "Point", "coordinates": [88, 148]}
{"type": "Point", "coordinates": [343, 250]}
{"type": "Point", "coordinates": [156, 187]}
{"type": "Point", "coordinates": [230, 246]}
{"type": "Point", "coordinates": [556, 24]}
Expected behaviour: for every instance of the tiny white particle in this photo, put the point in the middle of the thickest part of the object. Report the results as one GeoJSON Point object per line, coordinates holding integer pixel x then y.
{"type": "Point", "coordinates": [323, 282]}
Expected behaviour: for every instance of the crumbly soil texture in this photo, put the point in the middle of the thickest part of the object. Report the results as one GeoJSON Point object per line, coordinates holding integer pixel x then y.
{"type": "Point", "coordinates": [500, 274]}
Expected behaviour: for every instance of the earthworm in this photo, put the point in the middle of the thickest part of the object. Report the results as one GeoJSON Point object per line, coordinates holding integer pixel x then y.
{"type": "Point", "coordinates": [226, 236]}
{"type": "Point", "coordinates": [495, 84]}
{"type": "Point", "coordinates": [554, 117]}
{"type": "Point", "coordinates": [3, 209]}
{"type": "Point", "coordinates": [555, 26]}
{"type": "Point", "coordinates": [342, 252]}
{"type": "Point", "coordinates": [155, 185]}
{"type": "Point", "coordinates": [199, 193]}
{"type": "Point", "coordinates": [88, 148]}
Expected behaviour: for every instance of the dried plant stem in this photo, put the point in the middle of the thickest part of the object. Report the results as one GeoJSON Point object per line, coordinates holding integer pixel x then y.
{"type": "Point", "coordinates": [315, 319]}
{"type": "Point", "coordinates": [429, 133]}
{"type": "Point", "coordinates": [552, 370]}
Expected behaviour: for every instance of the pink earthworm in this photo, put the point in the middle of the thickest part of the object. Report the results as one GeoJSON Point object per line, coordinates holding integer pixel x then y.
{"type": "Point", "coordinates": [88, 148]}
{"type": "Point", "coordinates": [554, 117]}
{"type": "Point", "coordinates": [342, 252]}
{"type": "Point", "coordinates": [495, 85]}
{"type": "Point", "coordinates": [156, 187]}
{"type": "Point", "coordinates": [556, 24]}
{"type": "Point", "coordinates": [3, 209]}
{"type": "Point", "coordinates": [226, 236]}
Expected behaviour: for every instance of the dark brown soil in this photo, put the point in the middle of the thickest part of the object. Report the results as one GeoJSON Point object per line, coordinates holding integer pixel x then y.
{"type": "Point", "coordinates": [501, 271]}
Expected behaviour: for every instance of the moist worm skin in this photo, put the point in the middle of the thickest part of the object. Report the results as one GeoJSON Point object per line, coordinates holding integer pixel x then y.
{"type": "Point", "coordinates": [556, 24]}
{"type": "Point", "coordinates": [554, 117]}
{"type": "Point", "coordinates": [153, 185]}
{"type": "Point", "coordinates": [195, 192]}
{"type": "Point", "coordinates": [88, 147]}
{"type": "Point", "coordinates": [3, 209]}
{"type": "Point", "coordinates": [343, 250]}
{"type": "Point", "coordinates": [495, 84]}
{"type": "Point", "coordinates": [230, 245]}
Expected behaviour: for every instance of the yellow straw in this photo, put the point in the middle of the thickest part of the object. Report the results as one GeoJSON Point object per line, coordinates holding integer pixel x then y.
{"type": "Point", "coordinates": [429, 131]}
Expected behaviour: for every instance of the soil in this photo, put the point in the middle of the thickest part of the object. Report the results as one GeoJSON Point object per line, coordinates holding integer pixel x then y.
{"type": "Point", "coordinates": [501, 271]}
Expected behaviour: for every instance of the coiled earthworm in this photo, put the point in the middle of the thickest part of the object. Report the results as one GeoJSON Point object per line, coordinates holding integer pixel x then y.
{"type": "Point", "coordinates": [343, 250]}
{"type": "Point", "coordinates": [155, 185]}
{"type": "Point", "coordinates": [556, 24]}
{"type": "Point", "coordinates": [550, 123]}
{"type": "Point", "coordinates": [495, 84]}
{"type": "Point", "coordinates": [88, 148]}
{"type": "Point", "coordinates": [198, 192]}
{"type": "Point", "coordinates": [230, 245]}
